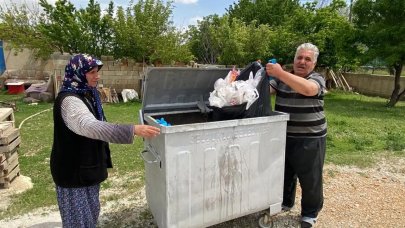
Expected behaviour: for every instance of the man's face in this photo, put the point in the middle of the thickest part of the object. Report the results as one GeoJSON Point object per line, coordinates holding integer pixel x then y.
{"type": "Point", "coordinates": [304, 63]}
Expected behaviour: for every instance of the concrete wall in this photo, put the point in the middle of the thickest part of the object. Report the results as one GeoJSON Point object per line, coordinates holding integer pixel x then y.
{"type": "Point", "coordinates": [374, 85]}
{"type": "Point", "coordinates": [114, 74]}
{"type": "Point", "coordinates": [24, 65]}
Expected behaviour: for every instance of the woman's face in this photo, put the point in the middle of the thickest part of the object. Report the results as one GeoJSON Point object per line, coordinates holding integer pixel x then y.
{"type": "Point", "coordinates": [92, 77]}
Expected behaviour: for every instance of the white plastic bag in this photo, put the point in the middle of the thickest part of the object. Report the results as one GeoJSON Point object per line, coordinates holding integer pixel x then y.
{"type": "Point", "coordinates": [228, 93]}
{"type": "Point", "coordinates": [129, 94]}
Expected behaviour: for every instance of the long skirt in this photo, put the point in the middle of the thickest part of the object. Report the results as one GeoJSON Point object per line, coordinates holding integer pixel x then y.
{"type": "Point", "coordinates": [79, 207]}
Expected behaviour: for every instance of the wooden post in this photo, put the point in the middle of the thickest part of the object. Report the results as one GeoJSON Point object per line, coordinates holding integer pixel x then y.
{"type": "Point", "coordinates": [344, 79]}
{"type": "Point", "coordinates": [334, 79]}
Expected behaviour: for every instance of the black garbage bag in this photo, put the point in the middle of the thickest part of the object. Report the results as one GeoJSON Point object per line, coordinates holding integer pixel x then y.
{"type": "Point", "coordinates": [261, 107]}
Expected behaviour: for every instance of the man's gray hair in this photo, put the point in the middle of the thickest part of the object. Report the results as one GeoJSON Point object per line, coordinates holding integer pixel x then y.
{"type": "Point", "coordinates": [310, 47]}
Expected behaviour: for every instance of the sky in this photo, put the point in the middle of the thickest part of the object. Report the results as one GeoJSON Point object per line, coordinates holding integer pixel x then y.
{"type": "Point", "coordinates": [185, 12]}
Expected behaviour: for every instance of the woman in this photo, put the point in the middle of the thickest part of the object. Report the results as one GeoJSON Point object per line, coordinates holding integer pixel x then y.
{"type": "Point", "coordinates": [80, 153]}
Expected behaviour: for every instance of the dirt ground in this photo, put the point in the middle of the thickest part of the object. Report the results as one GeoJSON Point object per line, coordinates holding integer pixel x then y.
{"type": "Point", "coordinates": [353, 198]}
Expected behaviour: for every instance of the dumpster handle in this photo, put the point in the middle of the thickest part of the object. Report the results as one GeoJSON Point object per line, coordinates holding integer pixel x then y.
{"type": "Point", "coordinates": [148, 150]}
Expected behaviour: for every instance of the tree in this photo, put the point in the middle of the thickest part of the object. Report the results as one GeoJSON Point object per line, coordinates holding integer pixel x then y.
{"type": "Point", "coordinates": [232, 38]}
{"type": "Point", "coordinates": [270, 12]}
{"type": "Point", "coordinates": [60, 26]}
{"type": "Point", "coordinates": [203, 39]}
{"type": "Point", "coordinates": [77, 31]}
{"type": "Point", "coordinates": [144, 32]}
{"type": "Point", "coordinates": [231, 42]}
{"type": "Point", "coordinates": [97, 33]}
{"type": "Point", "coordinates": [381, 27]}
{"type": "Point", "coordinates": [172, 47]}
{"type": "Point", "coordinates": [333, 31]}
{"type": "Point", "coordinates": [126, 36]}
{"type": "Point", "coordinates": [152, 20]}
{"type": "Point", "coordinates": [18, 26]}
{"type": "Point", "coordinates": [325, 27]}
{"type": "Point", "coordinates": [242, 42]}
{"type": "Point", "coordinates": [258, 42]}
{"type": "Point", "coordinates": [291, 24]}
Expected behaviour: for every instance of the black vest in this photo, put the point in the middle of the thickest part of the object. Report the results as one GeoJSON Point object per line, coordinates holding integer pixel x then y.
{"type": "Point", "coordinates": [76, 161]}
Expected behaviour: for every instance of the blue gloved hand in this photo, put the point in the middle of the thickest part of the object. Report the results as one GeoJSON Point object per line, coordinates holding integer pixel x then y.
{"type": "Point", "coordinates": [273, 61]}
{"type": "Point", "coordinates": [163, 122]}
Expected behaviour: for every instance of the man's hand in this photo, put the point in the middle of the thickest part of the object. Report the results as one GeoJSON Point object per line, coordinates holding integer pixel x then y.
{"type": "Point", "coordinates": [146, 131]}
{"type": "Point", "coordinates": [274, 69]}
{"type": "Point", "coordinates": [297, 83]}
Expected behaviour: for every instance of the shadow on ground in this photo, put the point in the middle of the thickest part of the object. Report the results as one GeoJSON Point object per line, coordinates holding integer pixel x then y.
{"type": "Point", "coordinates": [144, 219]}
{"type": "Point", "coordinates": [47, 225]}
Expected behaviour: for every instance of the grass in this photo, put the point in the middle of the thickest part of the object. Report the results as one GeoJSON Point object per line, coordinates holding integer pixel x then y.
{"type": "Point", "coordinates": [360, 130]}
{"type": "Point", "coordinates": [34, 152]}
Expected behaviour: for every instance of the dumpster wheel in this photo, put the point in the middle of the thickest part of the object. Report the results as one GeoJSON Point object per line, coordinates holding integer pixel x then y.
{"type": "Point", "coordinates": [265, 221]}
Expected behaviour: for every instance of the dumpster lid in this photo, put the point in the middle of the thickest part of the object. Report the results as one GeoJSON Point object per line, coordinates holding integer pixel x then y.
{"type": "Point", "coordinates": [178, 88]}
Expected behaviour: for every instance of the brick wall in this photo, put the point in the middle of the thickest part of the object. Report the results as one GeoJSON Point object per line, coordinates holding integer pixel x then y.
{"type": "Point", "coordinates": [121, 74]}
{"type": "Point", "coordinates": [116, 74]}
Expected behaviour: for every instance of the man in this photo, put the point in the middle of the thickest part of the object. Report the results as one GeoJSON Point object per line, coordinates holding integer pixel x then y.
{"type": "Point", "coordinates": [300, 93]}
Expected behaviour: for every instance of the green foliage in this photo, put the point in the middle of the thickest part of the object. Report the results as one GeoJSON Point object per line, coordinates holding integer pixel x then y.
{"type": "Point", "coordinates": [217, 40]}
{"type": "Point", "coordinates": [291, 24]}
{"type": "Point", "coordinates": [381, 26]}
{"type": "Point", "coordinates": [283, 43]}
{"type": "Point", "coordinates": [97, 30]}
{"type": "Point", "coordinates": [233, 37]}
{"type": "Point", "coordinates": [172, 47]}
{"type": "Point", "coordinates": [258, 42]}
{"type": "Point", "coordinates": [61, 27]}
{"type": "Point", "coordinates": [270, 12]}
{"type": "Point", "coordinates": [151, 17]}
{"type": "Point", "coordinates": [77, 31]}
{"type": "Point", "coordinates": [126, 32]}
{"type": "Point", "coordinates": [18, 26]}
{"type": "Point", "coordinates": [332, 33]}
{"type": "Point", "coordinates": [324, 27]}
{"type": "Point", "coordinates": [203, 39]}
{"type": "Point", "coordinates": [250, 30]}
{"type": "Point", "coordinates": [142, 32]}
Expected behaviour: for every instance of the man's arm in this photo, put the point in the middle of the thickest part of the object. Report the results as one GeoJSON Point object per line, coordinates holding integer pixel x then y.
{"type": "Point", "coordinates": [299, 84]}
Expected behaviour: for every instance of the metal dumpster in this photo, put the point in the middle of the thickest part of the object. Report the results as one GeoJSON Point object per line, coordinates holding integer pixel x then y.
{"type": "Point", "coordinates": [200, 172]}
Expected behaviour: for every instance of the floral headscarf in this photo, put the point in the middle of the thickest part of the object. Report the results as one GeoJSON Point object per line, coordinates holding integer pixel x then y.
{"type": "Point", "coordinates": [75, 79]}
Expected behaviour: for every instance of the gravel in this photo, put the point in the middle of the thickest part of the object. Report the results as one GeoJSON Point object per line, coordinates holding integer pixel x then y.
{"type": "Point", "coordinates": [354, 197]}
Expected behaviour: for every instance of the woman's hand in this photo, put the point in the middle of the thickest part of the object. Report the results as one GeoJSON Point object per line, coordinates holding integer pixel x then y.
{"type": "Point", "coordinates": [146, 131]}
